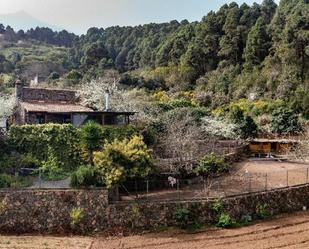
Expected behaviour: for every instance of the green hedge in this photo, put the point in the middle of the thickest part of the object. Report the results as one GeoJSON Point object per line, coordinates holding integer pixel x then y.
{"type": "Point", "coordinates": [59, 145]}
{"type": "Point", "coordinates": [110, 133]}
{"type": "Point", "coordinates": [61, 142]}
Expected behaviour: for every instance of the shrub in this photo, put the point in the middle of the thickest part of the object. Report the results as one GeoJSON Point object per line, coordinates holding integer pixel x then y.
{"type": "Point", "coordinates": [246, 219]}
{"type": "Point", "coordinates": [182, 217]}
{"type": "Point", "coordinates": [285, 121]}
{"type": "Point", "coordinates": [54, 76]}
{"type": "Point", "coordinates": [51, 168]}
{"type": "Point", "coordinates": [110, 133]}
{"type": "Point", "coordinates": [211, 165]}
{"type": "Point", "coordinates": [135, 215]}
{"type": "Point", "coordinates": [245, 125]}
{"type": "Point", "coordinates": [217, 206]}
{"type": "Point", "coordinates": [226, 221]}
{"type": "Point", "coordinates": [123, 159]}
{"type": "Point", "coordinates": [85, 176]}
{"type": "Point", "coordinates": [76, 215]}
{"type": "Point", "coordinates": [6, 181]}
{"type": "Point", "coordinates": [91, 138]}
{"type": "Point", "coordinates": [262, 210]}
{"type": "Point", "coordinates": [48, 144]}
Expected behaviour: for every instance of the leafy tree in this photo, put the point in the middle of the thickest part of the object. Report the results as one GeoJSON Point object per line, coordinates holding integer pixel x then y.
{"type": "Point", "coordinates": [285, 121]}
{"type": "Point", "coordinates": [245, 125]}
{"type": "Point", "coordinates": [258, 44]}
{"type": "Point", "coordinates": [230, 42]}
{"type": "Point", "coordinates": [54, 76]}
{"type": "Point", "coordinates": [91, 136]}
{"type": "Point", "coordinates": [123, 159]}
{"type": "Point", "coordinates": [74, 76]}
{"type": "Point", "coordinates": [210, 165]}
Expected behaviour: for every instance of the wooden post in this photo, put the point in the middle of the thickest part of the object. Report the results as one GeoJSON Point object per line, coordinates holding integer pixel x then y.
{"type": "Point", "coordinates": [266, 182]}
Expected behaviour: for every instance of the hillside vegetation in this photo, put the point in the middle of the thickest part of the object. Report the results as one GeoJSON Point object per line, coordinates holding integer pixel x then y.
{"type": "Point", "coordinates": [238, 62]}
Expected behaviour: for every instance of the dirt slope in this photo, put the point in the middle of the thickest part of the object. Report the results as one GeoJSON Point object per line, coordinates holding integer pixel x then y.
{"type": "Point", "coordinates": [286, 232]}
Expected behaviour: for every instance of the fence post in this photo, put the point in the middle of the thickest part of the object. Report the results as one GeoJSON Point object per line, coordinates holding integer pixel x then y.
{"type": "Point", "coordinates": [266, 182]}
{"type": "Point", "coordinates": [178, 189]}
{"type": "Point", "coordinates": [40, 178]}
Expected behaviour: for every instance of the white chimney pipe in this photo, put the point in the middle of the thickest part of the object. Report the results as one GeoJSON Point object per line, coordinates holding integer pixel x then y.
{"type": "Point", "coordinates": [107, 100]}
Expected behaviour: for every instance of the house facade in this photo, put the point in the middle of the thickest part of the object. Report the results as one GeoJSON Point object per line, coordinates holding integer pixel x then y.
{"type": "Point", "coordinates": [40, 106]}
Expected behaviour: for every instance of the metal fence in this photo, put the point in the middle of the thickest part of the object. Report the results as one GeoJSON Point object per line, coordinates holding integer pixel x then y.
{"type": "Point", "coordinates": [198, 188]}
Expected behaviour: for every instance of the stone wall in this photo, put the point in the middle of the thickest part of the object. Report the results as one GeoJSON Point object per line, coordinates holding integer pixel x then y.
{"type": "Point", "coordinates": [161, 214]}
{"type": "Point", "coordinates": [43, 211]}
{"type": "Point", "coordinates": [48, 211]}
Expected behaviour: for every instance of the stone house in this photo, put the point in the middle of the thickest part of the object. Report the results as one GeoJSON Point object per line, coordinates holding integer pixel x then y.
{"type": "Point", "coordinates": [40, 106]}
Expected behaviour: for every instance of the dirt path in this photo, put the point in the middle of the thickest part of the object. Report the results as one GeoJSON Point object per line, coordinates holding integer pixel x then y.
{"type": "Point", "coordinates": [287, 232]}
{"type": "Point", "coordinates": [44, 242]}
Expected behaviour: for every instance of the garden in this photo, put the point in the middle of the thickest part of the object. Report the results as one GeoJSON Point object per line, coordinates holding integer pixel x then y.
{"type": "Point", "coordinates": [91, 155]}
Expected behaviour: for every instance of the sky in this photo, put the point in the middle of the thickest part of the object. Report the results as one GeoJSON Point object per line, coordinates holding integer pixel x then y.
{"type": "Point", "coordinates": [79, 15]}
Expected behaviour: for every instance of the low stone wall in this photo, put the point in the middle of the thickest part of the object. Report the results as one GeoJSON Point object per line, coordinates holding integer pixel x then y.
{"type": "Point", "coordinates": [150, 215]}
{"type": "Point", "coordinates": [48, 211]}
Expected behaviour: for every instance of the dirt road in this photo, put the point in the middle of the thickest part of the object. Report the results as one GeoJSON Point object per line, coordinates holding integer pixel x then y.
{"type": "Point", "coordinates": [287, 232]}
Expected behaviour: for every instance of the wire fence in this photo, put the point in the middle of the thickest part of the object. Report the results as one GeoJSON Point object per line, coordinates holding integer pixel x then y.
{"type": "Point", "coordinates": [199, 188]}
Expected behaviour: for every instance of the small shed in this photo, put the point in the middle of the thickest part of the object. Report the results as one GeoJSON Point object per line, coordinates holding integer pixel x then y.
{"type": "Point", "coordinates": [271, 146]}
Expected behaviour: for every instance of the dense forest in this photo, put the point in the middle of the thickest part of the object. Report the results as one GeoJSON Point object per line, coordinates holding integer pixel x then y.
{"type": "Point", "coordinates": [238, 54]}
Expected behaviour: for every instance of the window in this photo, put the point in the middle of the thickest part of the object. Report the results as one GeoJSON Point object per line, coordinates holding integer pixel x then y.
{"type": "Point", "coordinates": [40, 118]}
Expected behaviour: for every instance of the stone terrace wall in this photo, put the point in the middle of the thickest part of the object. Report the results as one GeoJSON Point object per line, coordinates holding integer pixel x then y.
{"type": "Point", "coordinates": [48, 211]}
{"type": "Point", "coordinates": [157, 214]}
{"type": "Point", "coordinates": [43, 211]}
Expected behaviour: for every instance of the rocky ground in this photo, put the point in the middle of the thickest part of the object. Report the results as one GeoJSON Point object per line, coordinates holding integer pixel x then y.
{"type": "Point", "coordinates": [285, 232]}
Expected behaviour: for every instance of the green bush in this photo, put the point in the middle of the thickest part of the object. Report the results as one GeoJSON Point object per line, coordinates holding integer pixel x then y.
{"type": "Point", "coordinates": [76, 215]}
{"type": "Point", "coordinates": [48, 144]}
{"type": "Point", "coordinates": [245, 219]}
{"type": "Point", "coordinates": [211, 165]}
{"type": "Point", "coordinates": [285, 121]}
{"type": "Point", "coordinates": [262, 210]}
{"type": "Point", "coordinates": [182, 217]}
{"type": "Point", "coordinates": [217, 206]}
{"type": "Point", "coordinates": [110, 133]}
{"type": "Point", "coordinates": [85, 176]}
{"type": "Point", "coordinates": [123, 159]}
{"type": "Point", "coordinates": [226, 221]}
{"type": "Point", "coordinates": [6, 181]}
{"type": "Point", "coordinates": [91, 138]}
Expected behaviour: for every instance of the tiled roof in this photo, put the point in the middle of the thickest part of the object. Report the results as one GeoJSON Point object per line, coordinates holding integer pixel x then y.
{"type": "Point", "coordinates": [53, 107]}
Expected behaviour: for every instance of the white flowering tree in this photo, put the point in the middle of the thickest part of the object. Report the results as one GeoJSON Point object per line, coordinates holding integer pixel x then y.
{"type": "Point", "coordinates": [92, 94]}
{"type": "Point", "coordinates": [7, 105]}
{"type": "Point", "coordinates": [219, 128]}
{"type": "Point", "coordinates": [300, 151]}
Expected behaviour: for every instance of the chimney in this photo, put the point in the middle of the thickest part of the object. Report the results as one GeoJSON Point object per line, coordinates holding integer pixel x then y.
{"type": "Point", "coordinates": [107, 107]}
{"type": "Point", "coordinates": [18, 89]}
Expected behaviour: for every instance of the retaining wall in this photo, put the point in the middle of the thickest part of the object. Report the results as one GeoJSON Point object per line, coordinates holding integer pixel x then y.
{"type": "Point", "coordinates": [48, 211]}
